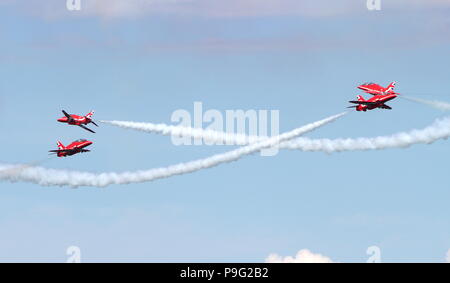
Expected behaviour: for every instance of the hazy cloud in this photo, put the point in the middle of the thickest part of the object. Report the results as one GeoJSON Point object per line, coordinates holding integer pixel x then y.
{"type": "Point", "coordinates": [302, 256]}
{"type": "Point", "coordinates": [116, 9]}
{"type": "Point", "coordinates": [244, 8]}
{"type": "Point", "coordinates": [219, 8]}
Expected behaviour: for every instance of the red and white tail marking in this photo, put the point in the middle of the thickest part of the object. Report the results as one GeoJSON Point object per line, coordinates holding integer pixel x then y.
{"type": "Point", "coordinates": [60, 145]}
{"type": "Point", "coordinates": [391, 86]}
{"type": "Point", "coordinates": [90, 114]}
{"type": "Point", "coordinates": [360, 98]}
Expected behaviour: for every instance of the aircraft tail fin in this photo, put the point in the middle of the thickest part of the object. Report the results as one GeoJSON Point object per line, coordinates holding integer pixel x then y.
{"type": "Point", "coordinates": [360, 98]}
{"type": "Point", "coordinates": [60, 145]}
{"type": "Point", "coordinates": [90, 114]}
{"type": "Point", "coordinates": [391, 87]}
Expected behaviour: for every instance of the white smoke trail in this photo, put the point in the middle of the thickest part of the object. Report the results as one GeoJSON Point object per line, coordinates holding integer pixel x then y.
{"type": "Point", "coordinates": [15, 169]}
{"type": "Point", "coordinates": [440, 105]}
{"type": "Point", "coordinates": [208, 136]}
{"type": "Point", "coordinates": [54, 177]}
{"type": "Point", "coordinates": [440, 129]}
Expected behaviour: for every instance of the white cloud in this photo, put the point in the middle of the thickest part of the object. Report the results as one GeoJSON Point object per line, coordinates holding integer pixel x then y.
{"type": "Point", "coordinates": [219, 8]}
{"type": "Point", "coordinates": [302, 256]}
{"type": "Point", "coordinates": [244, 8]}
{"type": "Point", "coordinates": [117, 9]}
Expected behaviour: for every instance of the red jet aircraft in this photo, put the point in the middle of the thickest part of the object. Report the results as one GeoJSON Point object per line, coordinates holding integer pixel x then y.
{"type": "Point", "coordinates": [376, 101]}
{"type": "Point", "coordinates": [376, 89]}
{"type": "Point", "coordinates": [73, 148]}
{"type": "Point", "coordinates": [78, 120]}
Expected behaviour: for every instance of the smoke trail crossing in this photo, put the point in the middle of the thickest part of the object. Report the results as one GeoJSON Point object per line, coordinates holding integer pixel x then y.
{"type": "Point", "coordinates": [440, 129]}
{"type": "Point", "coordinates": [55, 177]}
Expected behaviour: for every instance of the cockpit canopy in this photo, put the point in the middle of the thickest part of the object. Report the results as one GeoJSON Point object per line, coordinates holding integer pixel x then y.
{"type": "Point", "coordinates": [369, 83]}
{"type": "Point", "coordinates": [80, 140]}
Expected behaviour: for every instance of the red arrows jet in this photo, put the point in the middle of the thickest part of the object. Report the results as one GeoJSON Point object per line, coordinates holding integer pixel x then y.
{"type": "Point", "coordinates": [376, 101]}
{"type": "Point", "coordinates": [376, 89]}
{"type": "Point", "coordinates": [78, 120]}
{"type": "Point", "coordinates": [73, 148]}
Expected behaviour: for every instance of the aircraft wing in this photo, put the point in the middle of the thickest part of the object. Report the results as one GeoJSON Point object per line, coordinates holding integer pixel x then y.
{"type": "Point", "coordinates": [69, 118]}
{"type": "Point", "coordinates": [69, 150]}
{"type": "Point", "coordinates": [363, 102]}
{"type": "Point", "coordinates": [86, 128]}
{"type": "Point", "coordinates": [66, 114]}
{"type": "Point", "coordinates": [384, 106]}
{"type": "Point", "coordinates": [61, 150]}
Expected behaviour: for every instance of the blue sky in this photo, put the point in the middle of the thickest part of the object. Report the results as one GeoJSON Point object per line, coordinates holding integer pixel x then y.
{"type": "Point", "coordinates": [141, 62]}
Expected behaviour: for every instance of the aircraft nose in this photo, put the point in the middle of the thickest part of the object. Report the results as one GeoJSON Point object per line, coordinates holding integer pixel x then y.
{"type": "Point", "coordinates": [61, 120]}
